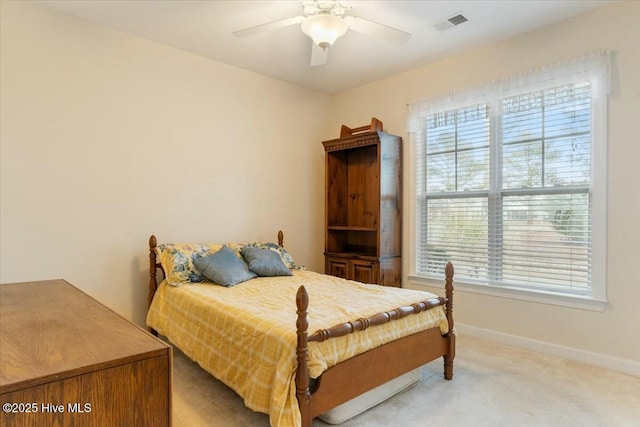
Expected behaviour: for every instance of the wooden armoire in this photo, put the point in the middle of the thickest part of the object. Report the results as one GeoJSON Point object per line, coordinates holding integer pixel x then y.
{"type": "Point", "coordinates": [363, 206]}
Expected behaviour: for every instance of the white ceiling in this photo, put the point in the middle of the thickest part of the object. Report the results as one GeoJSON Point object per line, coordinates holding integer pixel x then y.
{"type": "Point", "coordinates": [205, 28]}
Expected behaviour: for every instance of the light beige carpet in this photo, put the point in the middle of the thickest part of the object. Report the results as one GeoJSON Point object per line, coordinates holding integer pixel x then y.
{"type": "Point", "coordinates": [493, 385]}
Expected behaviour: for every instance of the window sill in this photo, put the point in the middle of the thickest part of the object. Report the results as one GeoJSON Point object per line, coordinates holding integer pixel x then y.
{"type": "Point", "coordinates": [542, 297]}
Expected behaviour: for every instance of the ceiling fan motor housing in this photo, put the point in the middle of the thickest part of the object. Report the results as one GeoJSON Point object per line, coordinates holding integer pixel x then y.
{"type": "Point", "coordinates": [324, 28]}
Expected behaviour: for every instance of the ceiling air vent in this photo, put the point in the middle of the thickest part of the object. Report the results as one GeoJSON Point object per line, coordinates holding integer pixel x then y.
{"type": "Point", "coordinates": [450, 22]}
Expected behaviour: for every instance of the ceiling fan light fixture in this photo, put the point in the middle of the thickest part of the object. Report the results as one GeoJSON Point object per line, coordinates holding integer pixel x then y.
{"type": "Point", "coordinates": [324, 29]}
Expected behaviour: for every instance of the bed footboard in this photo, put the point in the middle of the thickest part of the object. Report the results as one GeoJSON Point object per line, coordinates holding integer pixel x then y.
{"type": "Point", "coordinates": [375, 367]}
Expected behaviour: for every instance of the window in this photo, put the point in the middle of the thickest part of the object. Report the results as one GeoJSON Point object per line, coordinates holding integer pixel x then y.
{"type": "Point", "coordinates": [510, 182]}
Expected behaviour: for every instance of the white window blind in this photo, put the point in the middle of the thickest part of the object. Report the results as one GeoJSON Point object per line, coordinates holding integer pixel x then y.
{"type": "Point", "coordinates": [506, 178]}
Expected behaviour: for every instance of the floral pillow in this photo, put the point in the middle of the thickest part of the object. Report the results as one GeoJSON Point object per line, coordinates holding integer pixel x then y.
{"type": "Point", "coordinates": [177, 261]}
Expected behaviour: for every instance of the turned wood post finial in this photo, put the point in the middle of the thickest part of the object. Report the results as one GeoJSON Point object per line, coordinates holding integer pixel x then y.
{"type": "Point", "coordinates": [448, 270]}
{"type": "Point", "coordinates": [281, 239]}
{"type": "Point", "coordinates": [302, 302]}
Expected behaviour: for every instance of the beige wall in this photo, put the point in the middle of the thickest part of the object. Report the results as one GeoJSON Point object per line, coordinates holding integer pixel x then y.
{"type": "Point", "coordinates": [615, 332]}
{"type": "Point", "coordinates": [107, 138]}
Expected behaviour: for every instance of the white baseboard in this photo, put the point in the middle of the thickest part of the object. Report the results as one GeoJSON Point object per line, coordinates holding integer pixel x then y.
{"type": "Point", "coordinates": [609, 362]}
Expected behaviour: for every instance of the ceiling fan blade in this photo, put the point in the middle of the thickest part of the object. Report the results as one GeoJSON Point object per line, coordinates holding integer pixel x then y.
{"type": "Point", "coordinates": [268, 26]}
{"type": "Point", "coordinates": [375, 29]}
{"type": "Point", "coordinates": [318, 55]}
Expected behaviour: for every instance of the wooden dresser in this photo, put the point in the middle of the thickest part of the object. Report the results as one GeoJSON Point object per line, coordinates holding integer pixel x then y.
{"type": "Point", "coordinates": [67, 360]}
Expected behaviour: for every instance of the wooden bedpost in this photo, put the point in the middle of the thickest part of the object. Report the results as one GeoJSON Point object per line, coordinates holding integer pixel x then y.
{"type": "Point", "coordinates": [153, 283]}
{"type": "Point", "coordinates": [302, 353]}
{"type": "Point", "coordinates": [451, 350]}
{"type": "Point", "coordinates": [280, 239]}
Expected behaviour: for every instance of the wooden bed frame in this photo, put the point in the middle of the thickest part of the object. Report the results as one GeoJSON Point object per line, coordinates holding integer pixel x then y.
{"type": "Point", "coordinates": [365, 371]}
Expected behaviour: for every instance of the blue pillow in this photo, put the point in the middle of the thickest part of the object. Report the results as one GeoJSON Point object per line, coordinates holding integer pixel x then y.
{"type": "Point", "coordinates": [287, 259]}
{"type": "Point", "coordinates": [265, 262]}
{"type": "Point", "coordinates": [224, 268]}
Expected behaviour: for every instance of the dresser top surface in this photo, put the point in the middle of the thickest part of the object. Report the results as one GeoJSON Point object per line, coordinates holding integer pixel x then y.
{"type": "Point", "coordinates": [50, 329]}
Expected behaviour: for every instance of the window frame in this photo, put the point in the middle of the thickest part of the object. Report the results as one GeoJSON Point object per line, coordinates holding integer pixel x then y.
{"type": "Point", "coordinates": [595, 69]}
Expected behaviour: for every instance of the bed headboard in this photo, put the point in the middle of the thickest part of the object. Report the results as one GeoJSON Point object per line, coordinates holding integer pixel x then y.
{"type": "Point", "coordinates": [155, 266]}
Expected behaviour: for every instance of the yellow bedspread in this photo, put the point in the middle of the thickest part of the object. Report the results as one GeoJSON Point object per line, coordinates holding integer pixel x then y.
{"type": "Point", "coordinates": [246, 337]}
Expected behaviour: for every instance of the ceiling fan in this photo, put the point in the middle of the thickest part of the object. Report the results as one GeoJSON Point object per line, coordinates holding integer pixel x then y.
{"type": "Point", "coordinates": [324, 21]}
